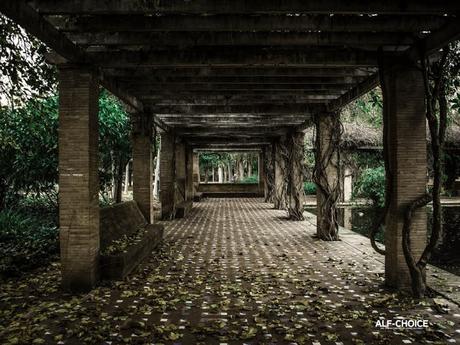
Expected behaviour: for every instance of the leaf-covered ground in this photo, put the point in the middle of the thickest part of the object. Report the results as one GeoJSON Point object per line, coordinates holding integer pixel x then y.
{"type": "Point", "coordinates": [234, 272]}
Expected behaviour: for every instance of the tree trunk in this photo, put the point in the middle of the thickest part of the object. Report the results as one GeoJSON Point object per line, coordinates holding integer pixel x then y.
{"type": "Point", "coordinates": [240, 171]}
{"type": "Point", "coordinates": [230, 174]}
{"type": "Point", "coordinates": [119, 182]}
{"type": "Point", "coordinates": [156, 183]}
{"type": "Point", "coordinates": [127, 178]}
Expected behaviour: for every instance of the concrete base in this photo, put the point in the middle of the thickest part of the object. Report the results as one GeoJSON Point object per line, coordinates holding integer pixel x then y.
{"type": "Point", "coordinates": [117, 221]}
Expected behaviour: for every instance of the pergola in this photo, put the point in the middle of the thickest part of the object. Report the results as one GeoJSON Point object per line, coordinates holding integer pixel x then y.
{"type": "Point", "coordinates": [235, 74]}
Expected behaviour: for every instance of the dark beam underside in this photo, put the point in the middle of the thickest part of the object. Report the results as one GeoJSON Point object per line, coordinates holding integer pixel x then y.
{"type": "Point", "coordinates": [234, 70]}
{"type": "Point", "coordinates": [242, 71]}
{"type": "Point", "coordinates": [215, 79]}
{"type": "Point", "coordinates": [247, 7]}
{"type": "Point", "coordinates": [236, 56]}
{"type": "Point", "coordinates": [235, 109]}
{"type": "Point", "coordinates": [164, 40]}
{"type": "Point", "coordinates": [239, 23]}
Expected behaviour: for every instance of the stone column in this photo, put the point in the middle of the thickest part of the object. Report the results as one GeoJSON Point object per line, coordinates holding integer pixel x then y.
{"type": "Point", "coordinates": [180, 173]}
{"type": "Point", "coordinates": [167, 175]}
{"type": "Point", "coordinates": [78, 178]}
{"type": "Point", "coordinates": [196, 172]}
{"type": "Point", "coordinates": [220, 174]}
{"type": "Point", "coordinates": [347, 193]}
{"type": "Point", "coordinates": [295, 169]}
{"type": "Point", "coordinates": [280, 178]}
{"type": "Point", "coordinates": [262, 173]}
{"type": "Point", "coordinates": [327, 175]}
{"type": "Point", "coordinates": [404, 106]}
{"type": "Point", "coordinates": [189, 173]}
{"type": "Point", "coordinates": [142, 165]}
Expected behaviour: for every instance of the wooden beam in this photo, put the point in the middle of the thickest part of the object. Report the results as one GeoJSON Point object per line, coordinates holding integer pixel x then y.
{"type": "Point", "coordinates": [247, 71]}
{"type": "Point", "coordinates": [436, 40]}
{"type": "Point", "coordinates": [241, 23]}
{"type": "Point", "coordinates": [29, 19]}
{"type": "Point", "coordinates": [237, 132]}
{"type": "Point", "coordinates": [237, 109]}
{"type": "Point", "coordinates": [236, 57]}
{"type": "Point", "coordinates": [356, 92]}
{"type": "Point", "coordinates": [246, 7]}
{"type": "Point", "coordinates": [142, 89]}
{"type": "Point", "coordinates": [216, 79]}
{"type": "Point", "coordinates": [164, 40]}
{"type": "Point", "coordinates": [199, 98]}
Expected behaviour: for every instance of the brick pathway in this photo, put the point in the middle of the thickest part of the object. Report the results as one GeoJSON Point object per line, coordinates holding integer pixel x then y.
{"type": "Point", "coordinates": [233, 272]}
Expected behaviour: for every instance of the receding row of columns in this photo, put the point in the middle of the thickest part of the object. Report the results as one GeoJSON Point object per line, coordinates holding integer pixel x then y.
{"type": "Point", "coordinates": [404, 110]}
{"type": "Point", "coordinates": [79, 180]}
{"type": "Point", "coordinates": [405, 125]}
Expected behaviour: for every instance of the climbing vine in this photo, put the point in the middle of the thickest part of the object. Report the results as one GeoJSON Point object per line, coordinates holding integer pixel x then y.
{"type": "Point", "coordinates": [327, 144]}
{"type": "Point", "coordinates": [280, 190]}
{"type": "Point", "coordinates": [294, 165]}
{"type": "Point", "coordinates": [269, 174]}
{"type": "Point", "coordinates": [434, 77]}
{"type": "Point", "coordinates": [380, 220]}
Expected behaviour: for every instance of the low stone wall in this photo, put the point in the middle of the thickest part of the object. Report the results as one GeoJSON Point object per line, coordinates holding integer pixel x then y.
{"type": "Point", "coordinates": [230, 189]}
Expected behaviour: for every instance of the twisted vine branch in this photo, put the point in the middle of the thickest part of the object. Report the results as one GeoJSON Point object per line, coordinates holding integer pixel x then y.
{"type": "Point", "coordinates": [327, 145]}
{"type": "Point", "coordinates": [435, 96]}
{"type": "Point", "coordinates": [294, 157]}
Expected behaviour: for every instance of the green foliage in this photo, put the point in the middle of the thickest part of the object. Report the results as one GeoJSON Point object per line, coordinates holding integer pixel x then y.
{"type": "Point", "coordinates": [29, 146]}
{"type": "Point", "coordinates": [371, 186]}
{"type": "Point", "coordinates": [25, 74]}
{"type": "Point", "coordinates": [309, 188]}
{"type": "Point", "coordinates": [250, 179]}
{"type": "Point", "coordinates": [28, 235]}
{"type": "Point", "coordinates": [114, 139]}
{"type": "Point", "coordinates": [367, 108]}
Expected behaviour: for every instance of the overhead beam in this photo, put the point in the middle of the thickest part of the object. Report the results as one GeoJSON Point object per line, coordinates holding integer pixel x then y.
{"type": "Point", "coordinates": [237, 109]}
{"type": "Point", "coordinates": [245, 71]}
{"type": "Point", "coordinates": [241, 23]}
{"type": "Point", "coordinates": [142, 89]}
{"type": "Point", "coordinates": [246, 7]}
{"type": "Point", "coordinates": [164, 40]}
{"type": "Point", "coordinates": [29, 19]}
{"type": "Point", "coordinates": [236, 57]}
{"type": "Point", "coordinates": [203, 99]}
{"type": "Point", "coordinates": [216, 79]}
{"type": "Point", "coordinates": [356, 92]}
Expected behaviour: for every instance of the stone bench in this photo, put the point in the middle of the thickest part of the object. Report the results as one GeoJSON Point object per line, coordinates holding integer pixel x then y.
{"type": "Point", "coordinates": [183, 208]}
{"type": "Point", "coordinates": [117, 223]}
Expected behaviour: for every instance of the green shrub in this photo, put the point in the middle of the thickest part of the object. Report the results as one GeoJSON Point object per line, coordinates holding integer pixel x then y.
{"type": "Point", "coordinates": [28, 236]}
{"type": "Point", "coordinates": [309, 188]}
{"type": "Point", "coordinates": [371, 186]}
{"type": "Point", "coordinates": [250, 179]}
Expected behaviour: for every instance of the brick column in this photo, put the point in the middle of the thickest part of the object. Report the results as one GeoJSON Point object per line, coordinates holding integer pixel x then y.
{"type": "Point", "coordinates": [196, 172]}
{"type": "Point", "coordinates": [405, 109]}
{"type": "Point", "coordinates": [262, 173]}
{"type": "Point", "coordinates": [327, 175]}
{"type": "Point", "coordinates": [279, 192]}
{"type": "Point", "coordinates": [189, 172]}
{"type": "Point", "coordinates": [180, 173]}
{"type": "Point", "coordinates": [78, 178]}
{"type": "Point", "coordinates": [167, 175]}
{"type": "Point", "coordinates": [142, 166]}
